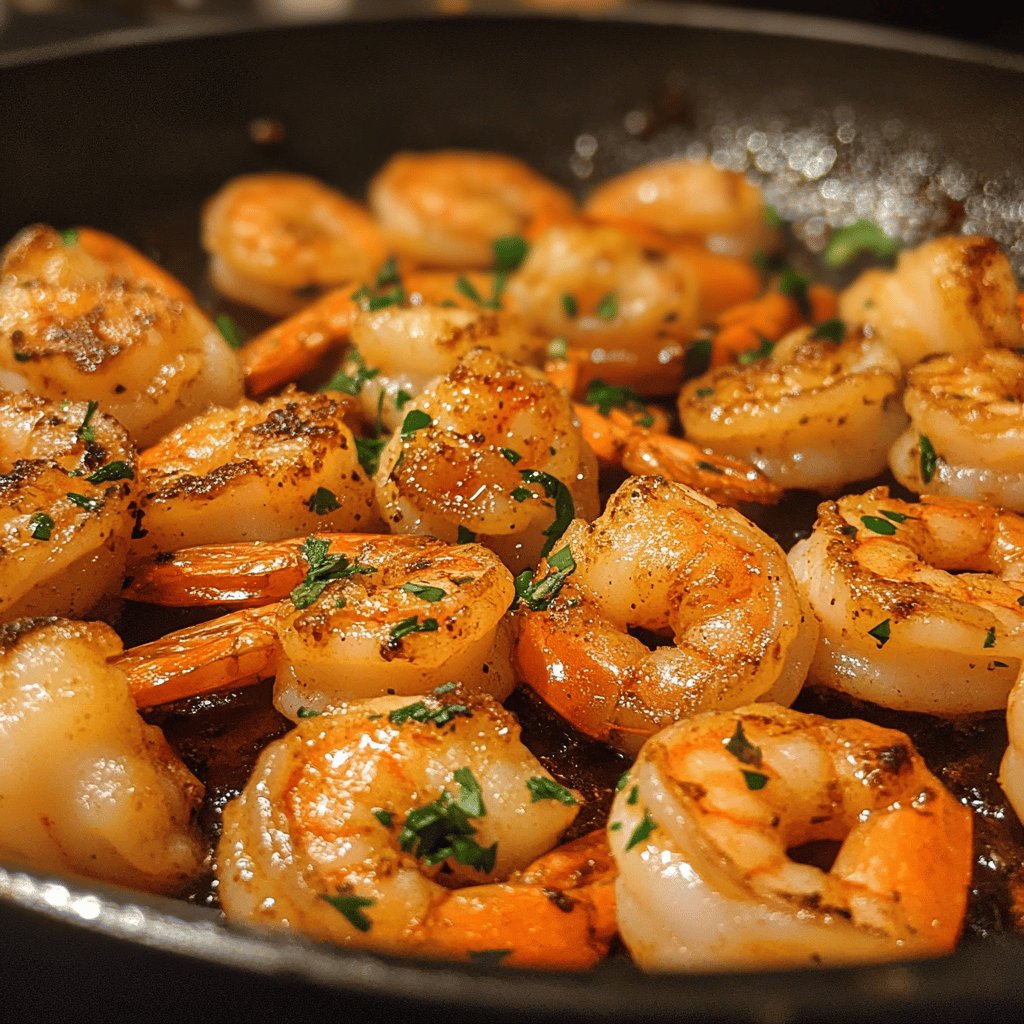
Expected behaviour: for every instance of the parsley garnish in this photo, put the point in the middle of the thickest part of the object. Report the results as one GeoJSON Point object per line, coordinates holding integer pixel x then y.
{"type": "Point", "coordinates": [697, 359]}
{"type": "Point", "coordinates": [928, 459]}
{"type": "Point", "coordinates": [425, 592]}
{"type": "Point", "coordinates": [384, 817]}
{"type": "Point", "coordinates": [323, 501]}
{"type": "Point", "coordinates": [877, 525]}
{"type": "Point", "coordinates": [323, 569]}
{"type": "Point", "coordinates": [742, 749]}
{"type": "Point", "coordinates": [763, 351]}
{"type": "Point", "coordinates": [351, 907]}
{"type": "Point", "coordinates": [352, 384]}
{"type": "Point", "coordinates": [608, 307]}
{"type": "Point", "coordinates": [42, 526]}
{"type": "Point", "coordinates": [422, 712]}
{"type": "Point", "coordinates": [368, 451]}
{"type": "Point", "coordinates": [69, 236]}
{"type": "Point", "coordinates": [111, 471]}
{"type": "Point", "coordinates": [465, 536]}
{"type": "Point", "coordinates": [605, 397]}
{"type": "Point", "coordinates": [386, 289]}
{"type": "Point", "coordinates": [755, 780]}
{"type": "Point", "coordinates": [795, 286]}
{"type": "Point", "coordinates": [509, 455]}
{"type": "Point", "coordinates": [89, 504]}
{"type": "Point", "coordinates": [620, 785]}
{"type": "Point", "coordinates": [882, 632]}
{"type": "Point", "coordinates": [543, 788]}
{"type": "Point", "coordinates": [558, 348]}
{"type": "Point", "coordinates": [990, 637]}
{"type": "Point", "coordinates": [415, 420]}
{"type": "Point", "coordinates": [305, 712]}
{"type": "Point", "coordinates": [705, 392]}
{"type": "Point", "coordinates": [771, 216]}
{"type": "Point", "coordinates": [642, 831]}
{"type": "Point", "coordinates": [410, 625]}
{"type": "Point", "coordinates": [538, 596]}
{"type": "Point", "coordinates": [830, 330]}
{"type": "Point", "coordinates": [402, 399]}
{"type": "Point", "coordinates": [896, 517]}
{"type": "Point", "coordinates": [570, 305]}
{"type": "Point", "coordinates": [509, 253]}
{"type": "Point", "coordinates": [464, 285]}
{"type": "Point", "coordinates": [849, 242]}
{"type": "Point", "coordinates": [565, 510]}
{"type": "Point", "coordinates": [634, 795]}
{"type": "Point", "coordinates": [86, 432]}
{"type": "Point", "coordinates": [229, 330]}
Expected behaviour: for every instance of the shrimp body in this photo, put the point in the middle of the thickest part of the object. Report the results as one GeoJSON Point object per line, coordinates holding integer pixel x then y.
{"type": "Point", "coordinates": [690, 199]}
{"type": "Point", "coordinates": [328, 838]}
{"type": "Point", "coordinates": [259, 471]}
{"type": "Point", "coordinates": [446, 209]}
{"type": "Point", "coordinates": [1011, 769]}
{"type": "Point", "coordinates": [277, 240]}
{"type": "Point", "coordinates": [632, 308]}
{"type": "Point", "coordinates": [919, 604]}
{"type": "Point", "coordinates": [71, 328]}
{"type": "Point", "coordinates": [666, 560]}
{"type": "Point", "coordinates": [499, 453]}
{"type": "Point", "coordinates": [813, 414]}
{"type": "Point", "coordinates": [970, 411]}
{"type": "Point", "coordinates": [702, 829]}
{"type": "Point", "coordinates": [953, 294]}
{"type": "Point", "coordinates": [66, 491]}
{"type": "Point", "coordinates": [117, 804]}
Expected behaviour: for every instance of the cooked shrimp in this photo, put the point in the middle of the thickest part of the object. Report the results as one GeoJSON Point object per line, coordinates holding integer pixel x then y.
{"type": "Point", "coordinates": [1011, 769]}
{"type": "Point", "coordinates": [127, 262]}
{"type": "Point", "coordinates": [813, 414]}
{"type": "Point", "coordinates": [966, 434]}
{"type": "Point", "coordinates": [953, 294]}
{"type": "Point", "coordinates": [920, 604]}
{"type": "Point", "coordinates": [703, 829]}
{"type": "Point", "coordinates": [278, 240]}
{"type": "Point", "coordinates": [259, 471]}
{"type": "Point", "coordinates": [117, 804]}
{"type": "Point", "coordinates": [633, 309]}
{"type": "Point", "coordinates": [692, 199]}
{"type": "Point", "coordinates": [447, 208]}
{"type": "Point", "coordinates": [66, 497]}
{"type": "Point", "coordinates": [492, 448]}
{"type": "Point", "coordinates": [72, 328]}
{"type": "Point", "coordinates": [666, 560]}
{"type": "Point", "coordinates": [355, 827]}
{"type": "Point", "coordinates": [384, 615]}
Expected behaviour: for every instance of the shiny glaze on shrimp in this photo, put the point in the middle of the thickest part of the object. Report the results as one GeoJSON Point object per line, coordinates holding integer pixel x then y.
{"type": "Point", "coordinates": [327, 839]}
{"type": "Point", "coordinates": [446, 208]}
{"type": "Point", "coordinates": [813, 414]}
{"type": "Point", "coordinates": [116, 804]}
{"type": "Point", "coordinates": [73, 328]}
{"type": "Point", "coordinates": [258, 471]}
{"type": "Point", "coordinates": [703, 827]}
{"type": "Point", "coordinates": [277, 240]}
{"type": "Point", "coordinates": [966, 433]}
{"type": "Point", "coordinates": [919, 603]}
{"type": "Point", "coordinates": [666, 560]}
{"type": "Point", "coordinates": [66, 498]}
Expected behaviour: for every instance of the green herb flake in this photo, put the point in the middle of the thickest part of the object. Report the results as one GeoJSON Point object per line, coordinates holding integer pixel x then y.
{"type": "Point", "coordinates": [742, 749]}
{"type": "Point", "coordinates": [615, 826]}
{"type": "Point", "coordinates": [848, 531]}
{"type": "Point", "coordinates": [605, 397]}
{"type": "Point", "coordinates": [305, 712]}
{"type": "Point", "coordinates": [754, 355]}
{"type": "Point", "coordinates": [69, 236]}
{"type": "Point", "coordinates": [112, 471]}
{"type": "Point", "coordinates": [352, 384]}
{"type": "Point", "coordinates": [795, 286]}
{"type": "Point", "coordinates": [755, 780]}
{"type": "Point", "coordinates": [509, 455]}
{"type": "Point", "coordinates": [928, 459]}
{"type": "Point", "coordinates": [409, 626]}
{"type": "Point", "coordinates": [368, 451]}
{"type": "Point", "coordinates": [229, 331]}
{"type": "Point", "coordinates": [384, 817]}
{"type": "Point", "coordinates": [467, 288]}
{"type": "Point", "coordinates": [488, 956]}
{"type": "Point", "coordinates": [570, 305]}
{"type": "Point", "coordinates": [990, 637]}
{"type": "Point", "coordinates": [538, 596]}
{"type": "Point", "coordinates": [565, 509]}
{"type": "Point", "coordinates": [882, 632]}
{"type": "Point", "coordinates": [89, 504]}
{"type": "Point", "coordinates": [634, 795]}
{"type": "Point", "coordinates": [830, 330]}
{"type": "Point", "coordinates": [21, 357]}
{"type": "Point", "coordinates": [323, 501]}
{"type": "Point", "coordinates": [465, 536]}
{"type": "Point", "coordinates": [642, 831]}
{"type": "Point", "coordinates": [351, 908]}
{"type": "Point", "coordinates": [521, 494]}
{"type": "Point", "coordinates": [1020, 600]}
{"type": "Point", "coordinates": [705, 392]}
{"type": "Point", "coordinates": [860, 238]}
{"type": "Point", "coordinates": [697, 358]}
{"type": "Point", "coordinates": [543, 788]}
{"type": "Point", "coordinates": [608, 307]}
{"type": "Point", "coordinates": [877, 525]}
{"type": "Point", "coordinates": [623, 780]}
{"type": "Point", "coordinates": [323, 568]}
{"type": "Point", "coordinates": [558, 348]}
{"type": "Point", "coordinates": [896, 517]}
{"type": "Point", "coordinates": [771, 217]}
{"type": "Point", "coordinates": [86, 432]}
{"type": "Point", "coordinates": [402, 399]}
{"type": "Point", "coordinates": [709, 467]}
{"type": "Point", "coordinates": [42, 526]}
{"type": "Point", "coordinates": [424, 592]}
{"type": "Point", "coordinates": [433, 713]}
{"type": "Point", "coordinates": [415, 420]}
{"type": "Point", "coordinates": [509, 253]}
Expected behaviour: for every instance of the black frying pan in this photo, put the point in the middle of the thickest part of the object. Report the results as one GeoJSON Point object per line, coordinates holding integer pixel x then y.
{"type": "Point", "coordinates": [131, 134]}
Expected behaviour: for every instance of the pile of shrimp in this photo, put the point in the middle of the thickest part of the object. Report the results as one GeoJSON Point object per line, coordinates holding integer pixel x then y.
{"type": "Point", "coordinates": [490, 438]}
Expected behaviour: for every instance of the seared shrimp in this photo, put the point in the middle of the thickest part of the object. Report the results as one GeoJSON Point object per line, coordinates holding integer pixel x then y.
{"type": "Point", "coordinates": [67, 487]}
{"type": "Point", "coordinates": [813, 414]}
{"type": "Point", "coordinates": [666, 560]}
{"type": "Point", "coordinates": [355, 827]}
{"type": "Point", "coordinates": [690, 199]}
{"type": "Point", "coordinates": [128, 263]}
{"type": "Point", "coordinates": [446, 209]}
{"type": "Point", "coordinates": [633, 309]}
{"type": "Point", "coordinates": [259, 471]}
{"type": "Point", "coordinates": [920, 604]}
{"type": "Point", "coordinates": [278, 240]}
{"type": "Point", "coordinates": [702, 832]}
{"type": "Point", "coordinates": [364, 617]}
{"type": "Point", "coordinates": [492, 448]}
{"type": "Point", "coordinates": [953, 294]}
{"type": "Point", "coordinates": [117, 804]}
{"type": "Point", "coordinates": [73, 328]}
{"type": "Point", "coordinates": [966, 434]}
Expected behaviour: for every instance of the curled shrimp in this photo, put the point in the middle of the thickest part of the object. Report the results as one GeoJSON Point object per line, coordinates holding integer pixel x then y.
{"type": "Point", "coordinates": [966, 433]}
{"type": "Point", "coordinates": [259, 471]}
{"type": "Point", "coordinates": [813, 414]}
{"type": "Point", "coordinates": [703, 829]}
{"type": "Point", "coordinates": [66, 498]}
{"type": "Point", "coordinates": [668, 561]}
{"type": "Point", "coordinates": [492, 448]}
{"type": "Point", "coordinates": [366, 616]}
{"type": "Point", "coordinates": [952, 294]}
{"type": "Point", "coordinates": [447, 208]}
{"type": "Point", "coordinates": [277, 240]}
{"type": "Point", "coordinates": [919, 603]}
{"type": "Point", "coordinates": [118, 804]}
{"type": "Point", "coordinates": [73, 328]}
{"type": "Point", "coordinates": [691, 199]}
{"type": "Point", "coordinates": [348, 822]}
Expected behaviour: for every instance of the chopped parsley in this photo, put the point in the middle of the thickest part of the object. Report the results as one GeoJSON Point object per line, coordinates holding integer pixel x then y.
{"type": "Point", "coordinates": [763, 351]}
{"type": "Point", "coordinates": [386, 289]}
{"type": "Point", "coordinates": [510, 455]}
{"type": "Point", "coordinates": [771, 216]}
{"type": "Point", "coordinates": [323, 501]}
{"type": "Point", "coordinates": [795, 286]}
{"type": "Point", "coordinates": [509, 253]}
{"type": "Point", "coordinates": [705, 392]}
{"type": "Point", "coordinates": [990, 637]}
{"type": "Point", "coordinates": [608, 307]}
{"type": "Point", "coordinates": [896, 517]}
{"type": "Point", "coordinates": [860, 237]}
{"type": "Point", "coordinates": [323, 568]}
{"type": "Point", "coordinates": [755, 780]}
{"type": "Point", "coordinates": [42, 526]}
{"type": "Point", "coordinates": [305, 712]}
{"type": "Point", "coordinates": [882, 632]}
{"type": "Point", "coordinates": [433, 712]}
{"type": "Point", "coordinates": [605, 397]}
{"type": "Point", "coordinates": [424, 591]}
{"type": "Point", "coordinates": [928, 459]}
{"type": "Point", "coordinates": [408, 626]}
{"type": "Point", "coordinates": [86, 432]}
{"type": "Point", "coordinates": [537, 596]}
{"type": "Point", "coordinates": [402, 399]}
{"type": "Point", "coordinates": [642, 831]}
{"type": "Point", "coordinates": [620, 785]}
{"type": "Point", "coordinates": [352, 383]}
{"type": "Point", "coordinates": [229, 330]}
{"type": "Point", "coordinates": [742, 749]}
{"type": "Point", "coordinates": [878, 525]}
{"type": "Point", "coordinates": [543, 788]}
{"type": "Point", "coordinates": [464, 285]}
{"type": "Point", "coordinates": [697, 359]}
{"type": "Point", "coordinates": [351, 908]}
{"type": "Point", "coordinates": [570, 305]}
{"type": "Point", "coordinates": [69, 236]}
{"type": "Point", "coordinates": [368, 451]}
{"type": "Point", "coordinates": [634, 795]}
{"type": "Point", "coordinates": [565, 510]}
{"type": "Point", "coordinates": [415, 420]}
{"type": "Point", "coordinates": [111, 471]}
{"type": "Point", "coordinates": [465, 536]}
{"type": "Point", "coordinates": [833, 330]}
{"type": "Point", "coordinates": [384, 817]}
{"type": "Point", "coordinates": [89, 504]}
{"type": "Point", "coordinates": [558, 348]}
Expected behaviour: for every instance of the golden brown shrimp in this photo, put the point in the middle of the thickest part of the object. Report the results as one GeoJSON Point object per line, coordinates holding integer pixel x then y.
{"type": "Point", "coordinates": [666, 560]}
{"type": "Point", "coordinates": [278, 240]}
{"type": "Point", "coordinates": [690, 199]}
{"type": "Point", "coordinates": [919, 603]}
{"type": "Point", "coordinates": [348, 821]}
{"type": "Point", "coordinates": [71, 327]}
{"type": "Point", "coordinates": [966, 433]}
{"type": "Point", "coordinates": [952, 294]}
{"type": "Point", "coordinates": [812, 414]}
{"type": "Point", "coordinates": [116, 804]}
{"type": "Point", "coordinates": [703, 827]}
{"type": "Point", "coordinates": [67, 487]}
{"type": "Point", "coordinates": [259, 471]}
{"type": "Point", "coordinates": [447, 208]}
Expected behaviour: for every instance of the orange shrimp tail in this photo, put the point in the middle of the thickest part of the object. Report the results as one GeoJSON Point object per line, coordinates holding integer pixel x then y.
{"type": "Point", "coordinates": [722, 281]}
